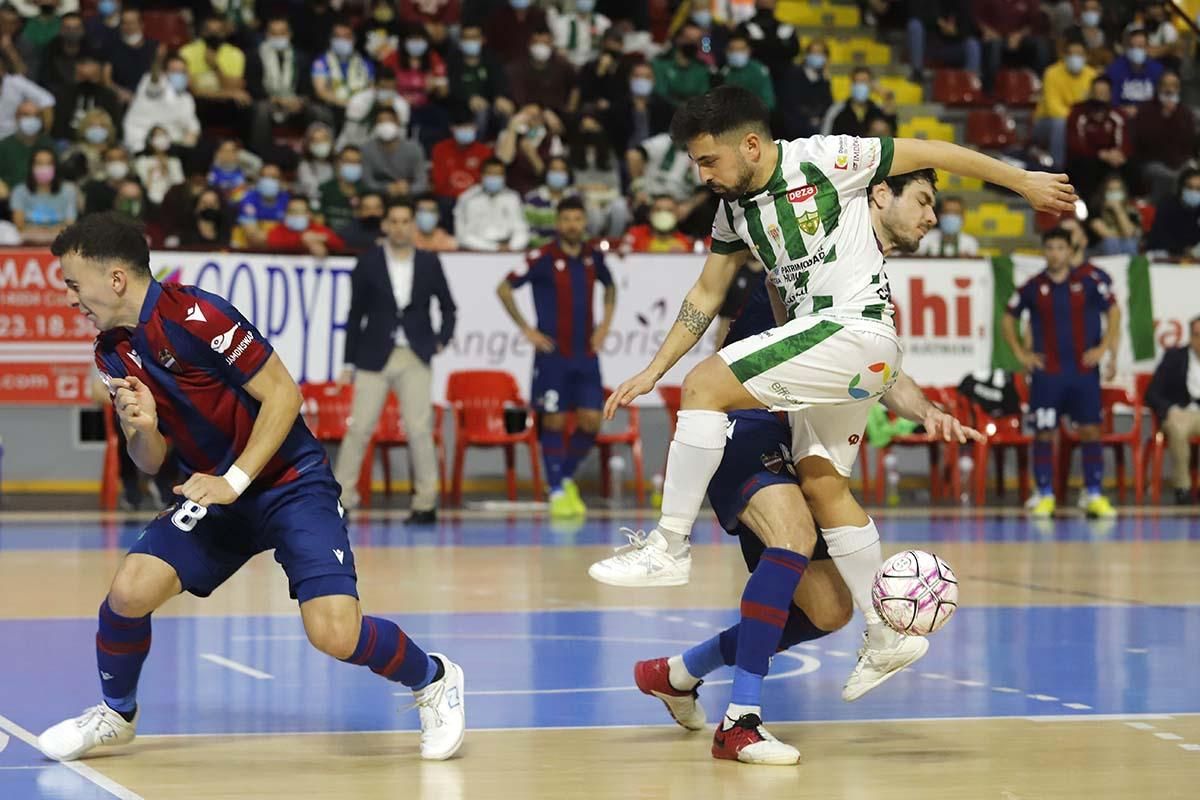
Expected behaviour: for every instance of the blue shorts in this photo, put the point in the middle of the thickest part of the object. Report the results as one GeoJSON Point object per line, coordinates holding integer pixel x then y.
{"type": "Point", "coordinates": [563, 384]}
{"type": "Point", "coordinates": [301, 521]}
{"type": "Point", "coordinates": [757, 455]}
{"type": "Point", "coordinates": [1053, 396]}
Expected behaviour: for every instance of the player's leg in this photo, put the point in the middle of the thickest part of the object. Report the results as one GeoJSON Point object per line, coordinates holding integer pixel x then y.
{"type": "Point", "coordinates": [1082, 405]}
{"type": "Point", "coordinates": [550, 388]}
{"type": "Point", "coordinates": [370, 393]}
{"type": "Point", "coordinates": [587, 399]}
{"type": "Point", "coordinates": [1045, 405]}
{"type": "Point", "coordinates": [411, 380]}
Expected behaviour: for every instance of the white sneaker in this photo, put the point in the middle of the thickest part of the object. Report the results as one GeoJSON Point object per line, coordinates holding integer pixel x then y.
{"type": "Point", "coordinates": [644, 562]}
{"type": "Point", "coordinates": [881, 660]}
{"type": "Point", "coordinates": [95, 727]}
{"type": "Point", "coordinates": [748, 740]}
{"type": "Point", "coordinates": [442, 708]}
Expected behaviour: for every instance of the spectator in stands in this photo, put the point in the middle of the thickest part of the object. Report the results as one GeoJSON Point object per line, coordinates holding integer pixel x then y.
{"type": "Point", "coordinates": [57, 68]}
{"type": "Point", "coordinates": [478, 80]}
{"type": "Point", "coordinates": [659, 166]}
{"type": "Point", "coordinates": [542, 77]}
{"type": "Point", "coordinates": [712, 36]}
{"type": "Point", "coordinates": [774, 43]}
{"type": "Point", "coordinates": [128, 54]}
{"type": "Point", "coordinates": [947, 29]}
{"type": "Point", "coordinates": [679, 73]}
{"type": "Point", "coordinates": [1065, 84]}
{"type": "Point", "coordinates": [16, 50]}
{"type": "Point", "coordinates": [156, 167]}
{"type": "Point", "coordinates": [300, 233]}
{"type": "Point", "coordinates": [1098, 141]}
{"type": "Point", "coordinates": [279, 78]}
{"type": "Point", "coordinates": [163, 100]}
{"type": "Point", "coordinates": [804, 93]}
{"type": "Point", "coordinates": [104, 27]}
{"type": "Point", "coordinates": [1162, 38]}
{"type": "Point", "coordinates": [1009, 29]}
{"type": "Point", "coordinates": [605, 77]}
{"type": "Point", "coordinates": [741, 70]}
{"type": "Point", "coordinates": [1134, 75]}
{"type": "Point", "coordinates": [316, 164]}
{"type": "Point", "coordinates": [947, 239]}
{"type": "Point", "coordinates": [131, 199]}
{"type": "Point", "coordinates": [532, 136]}
{"type": "Point", "coordinates": [39, 30]}
{"type": "Point", "coordinates": [427, 12]}
{"type": "Point", "coordinates": [880, 128]}
{"type": "Point", "coordinates": [510, 29]}
{"type": "Point", "coordinates": [661, 234]}
{"type": "Point", "coordinates": [430, 235]}
{"type": "Point", "coordinates": [217, 75]}
{"type": "Point", "coordinates": [341, 72]}
{"type": "Point", "coordinates": [1113, 219]}
{"type": "Point", "coordinates": [339, 195]}
{"type": "Point", "coordinates": [1164, 138]}
{"type": "Point", "coordinates": [597, 179]}
{"type": "Point", "coordinates": [16, 90]}
{"type": "Point", "coordinates": [640, 112]}
{"type": "Point", "coordinates": [578, 33]}
{"type": "Point", "coordinates": [209, 226]}
{"type": "Point", "coordinates": [489, 216]}
{"type": "Point", "coordinates": [228, 174]}
{"type": "Point", "coordinates": [17, 148]}
{"type": "Point", "coordinates": [853, 116]}
{"type": "Point", "coordinates": [540, 204]}
{"type": "Point", "coordinates": [421, 79]}
{"type": "Point", "coordinates": [1176, 229]}
{"type": "Point", "coordinates": [1091, 25]}
{"type": "Point", "coordinates": [1174, 397]}
{"type": "Point", "coordinates": [44, 204]}
{"type": "Point", "coordinates": [391, 163]}
{"type": "Point", "coordinates": [457, 161]}
{"type": "Point", "coordinates": [320, 20]}
{"type": "Point", "coordinates": [84, 158]}
{"type": "Point", "coordinates": [364, 230]}
{"type": "Point", "coordinates": [360, 113]}
{"type": "Point", "coordinates": [263, 207]}
{"type": "Point", "coordinates": [100, 192]}
{"type": "Point", "coordinates": [84, 95]}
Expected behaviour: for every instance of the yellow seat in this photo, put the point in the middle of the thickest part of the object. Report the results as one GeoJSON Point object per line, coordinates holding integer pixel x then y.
{"type": "Point", "coordinates": [995, 220]}
{"type": "Point", "coordinates": [948, 182]}
{"type": "Point", "coordinates": [926, 128]}
{"type": "Point", "coordinates": [815, 14]}
{"type": "Point", "coordinates": [907, 93]}
{"type": "Point", "coordinates": [858, 52]}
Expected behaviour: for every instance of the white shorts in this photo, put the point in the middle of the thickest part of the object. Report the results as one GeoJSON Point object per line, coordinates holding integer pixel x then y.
{"type": "Point", "coordinates": [831, 432]}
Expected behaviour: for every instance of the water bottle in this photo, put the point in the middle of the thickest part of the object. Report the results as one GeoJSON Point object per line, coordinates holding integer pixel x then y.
{"type": "Point", "coordinates": [656, 495]}
{"type": "Point", "coordinates": [966, 465]}
{"type": "Point", "coordinates": [893, 479]}
{"type": "Point", "coordinates": [616, 474]}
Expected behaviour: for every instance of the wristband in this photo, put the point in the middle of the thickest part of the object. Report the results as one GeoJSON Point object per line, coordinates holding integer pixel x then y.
{"type": "Point", "coordinates": [239, 480]}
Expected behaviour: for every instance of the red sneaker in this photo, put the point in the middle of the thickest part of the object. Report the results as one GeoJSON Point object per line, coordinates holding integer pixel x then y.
{"type": "Point", "coordinates": [750, 742]}
{"type": "Point", "coordinates": [652, 677]}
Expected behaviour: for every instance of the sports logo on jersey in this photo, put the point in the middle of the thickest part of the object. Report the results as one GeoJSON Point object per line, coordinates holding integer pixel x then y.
{"type": "Point", "coordinates": [842, 161]}
{"type": "Point", "coordinates": [167, 359]}
{"type": "Point", "coordinates": [221, 343]}
{"type": "Point", "coordinates": [104, 376]}
{"type": "Point", "coordinates": [559, 264]}
{"type": "Point", "coordinates": [803, 193]}
{"type": "Point", "coordinates": [135, 358]}
{"type": "Point", "coordinates": [808, 222]}
{"type": "Point", "coordinates": [775, 234]}
{"type": "Point", "coordinates": [242, 346]}
{"type": "Point", "coordinates": [194, 314]}
{"type": "Point", "coordinates": [773, 461]}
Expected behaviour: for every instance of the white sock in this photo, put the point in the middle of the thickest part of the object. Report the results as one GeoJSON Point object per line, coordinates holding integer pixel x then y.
{"type": "Point", "coordinates": [678, 675]}
{"type": "Point", "coordinates": [857, 555]}
{"type": "Point", "coordinates": [735, 712]}
{"type": "Point", "coordinates": [694, 457]}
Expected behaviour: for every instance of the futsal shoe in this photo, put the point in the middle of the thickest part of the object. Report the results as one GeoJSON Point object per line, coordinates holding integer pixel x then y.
{"type": "Point", "coordinates": [96, 727]}
{"type": "Point", "coordinates": [644, 562]}
{"type": "Point", "coordinates": [882, 658]}
{"type": "Point", "coordinates": [653, 678]}
{"type": "Point", "coordinates": [441, 706]}
{"type": "Point", "coordinates": [1044, 508]}
{"type": "Point", "coordinates": [561, 506]}
{"type": "Point", "coordinates": [1098, 507]}
{"type": "Point", "coordinates": [572, 491]}
{"type": "Point", "coordinates": [749, 741]}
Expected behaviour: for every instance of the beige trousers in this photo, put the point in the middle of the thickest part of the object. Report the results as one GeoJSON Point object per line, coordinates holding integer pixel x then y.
{"type": "Point", "coordinates": [410, 378]}
{"type": "Point", "coordinates": [1179, 426]}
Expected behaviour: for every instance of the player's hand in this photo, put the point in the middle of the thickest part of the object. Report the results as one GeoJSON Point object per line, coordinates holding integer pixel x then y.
{"type": "Point", "coordinates": [1031, 361]}
{"type": "Point", "coordinates": [134, 404]}
{"type": "Point", "coordinates": [1093, 356]}
{"type": "Point", "coordinates": [638, 385]}
{"type": "Point", "coordinates": [598, 337]}
{"type": "Point", "coordinates": [1110, 370]}
{"type": "Point", "coordinates": [207, 490]}
{"type": "Point", "coordinates": [1049, 191]}
{"type": "Point", "coordinates": [345, 377]}
{"type": "Point", "coordinates": [940, 425]}
{"type": "Point", "coordinates": [541, 342]}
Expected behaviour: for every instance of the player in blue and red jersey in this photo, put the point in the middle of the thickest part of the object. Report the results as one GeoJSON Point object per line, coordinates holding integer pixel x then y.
{"type": "Point", "coordinates": [1074, 323]}
{"type": "Point", "coordinates": [566, 368]}
{"type": "Point", "coordinates": [183, 364]}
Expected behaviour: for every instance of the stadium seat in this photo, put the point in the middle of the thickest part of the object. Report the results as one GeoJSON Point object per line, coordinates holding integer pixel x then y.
{"type": "Point", "coordinates": [168, 27]}
{"type": "Point", "coordinates": [995, 220]}
{"type": "Point", "coordinates": [816, 14]}
{"type": "Point", "coordinates": [1003, 433]}
{"type": "Point", "coordinates": [632, 436]}
{"type": "Point", "coordinates": [390, 434]}
{"type": "Point", "coordinates": [944, 478]}
{"type": "Point", "coordinates": [1151, 467]}
{"type": "Point", "coordinates": [948, 181]}
{"type": "Point", "coordinates": [1068, 440]}
{"type": "Point", "coordinates": [957, 87]}
{"type": "Point", "coordinates": [672, 397]}
{"type": "Point", "coordinates": [907, 93]}
{"type": "Point", "coordinates": [1017, 87]}
{"type": "Point", "coordinates": [858, 51]}
{"type": "Point", "coordinates": [991, 129]}
{"type": "Point", "coordinates": [927, 128]}
{"type": "Point", "coordinates": [478, 398]}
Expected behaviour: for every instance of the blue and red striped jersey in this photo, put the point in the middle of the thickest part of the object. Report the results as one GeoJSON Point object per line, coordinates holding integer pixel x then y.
{"type": "Point", "coordinates": [196, 353]}
{"type": "Point", "coordinates": [563, 286]}
{"type": "Point", "coordinates": [1065, 317]}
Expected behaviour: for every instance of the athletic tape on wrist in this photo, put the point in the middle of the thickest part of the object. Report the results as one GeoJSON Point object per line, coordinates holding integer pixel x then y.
{"type": "Point", "coordinates": [239, 480]}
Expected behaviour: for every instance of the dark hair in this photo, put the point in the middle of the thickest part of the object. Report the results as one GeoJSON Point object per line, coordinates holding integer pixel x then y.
{"type": "Point", "coordinates": [425, 197]}
{"type": "Point", "coordinates": [1132, 32]}
{"type": "Point", "coordinates": [299, 197]}
{"type": "Point", "coordinates": [950, 198]}
{"type": "Point", "coordinates": [372, 193]}
{"type": "Point", "coordinates": [490, 162]}
{"type": "Point", "coordinates": [460, 114]}
{"type": "Point", "coordinates": [1074, 35]}
{"type": "Point", "coordinates": [347, 149]}
{"type": "Point", "coordinates": [898, 183]}
{"type": "Point", "coordinates": [860, 70]}
{"type": "Point", "coordinates": [400, 202]}
{"type": "Point", "coordinates": [106, 236]}
{"type": "Point", "coordinates": [1057, 233]}
{"type": "Point", "coordinates": [569, 204]}
{"type": "Point", "coordinates": [55, 184]}
{"type": "Point", "coordinates": [720, 111]}
{"type": "Point", "coordinates": [1185, 176]}
{"type": "Point", "coordinates": [1102, 79]}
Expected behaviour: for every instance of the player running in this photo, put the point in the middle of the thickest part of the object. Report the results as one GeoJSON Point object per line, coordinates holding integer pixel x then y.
{"type": "Point", "coordinates": [182, 363]}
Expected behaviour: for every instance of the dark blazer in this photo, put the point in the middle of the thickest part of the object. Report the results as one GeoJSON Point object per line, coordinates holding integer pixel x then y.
{"type": "Point", "coordinates": [1168, 387]}
{"type": "Point", "coordinates": [374, 316]}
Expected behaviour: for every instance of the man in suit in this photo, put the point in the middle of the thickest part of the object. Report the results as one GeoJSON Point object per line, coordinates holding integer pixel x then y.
{"type": "Point", "coordinates": [1174, 396]}
{"type": "Point", "coordinates": [389, 342]}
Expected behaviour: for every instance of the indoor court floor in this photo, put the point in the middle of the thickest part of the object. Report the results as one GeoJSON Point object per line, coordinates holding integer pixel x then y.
{"type": "Point", "coordinates": [1071, 670]}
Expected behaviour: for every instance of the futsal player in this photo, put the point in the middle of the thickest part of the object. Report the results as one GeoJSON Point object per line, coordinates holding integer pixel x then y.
{"type": "Point", "coordinates": [184, 364]}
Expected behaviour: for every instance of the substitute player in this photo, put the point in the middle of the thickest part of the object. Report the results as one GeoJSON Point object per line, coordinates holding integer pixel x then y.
{"type": "Point", "coordinates": [1074, 322]}
{"type": "Point", "coordinates": [183, 363]}
{"type": "Point", "coordinates": [566, 367]}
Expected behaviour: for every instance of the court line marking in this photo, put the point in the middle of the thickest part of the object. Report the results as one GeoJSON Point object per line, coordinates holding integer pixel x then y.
{"type": "Point", "coordinates": [1165, 736]}
{"type": "Point", "coordinates": [221, 661]}
{"type": "Point", "coordinates": [82, 770]}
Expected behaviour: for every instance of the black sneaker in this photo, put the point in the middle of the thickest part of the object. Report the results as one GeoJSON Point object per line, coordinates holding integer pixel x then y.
{"type": "Point", "coordinates": [1183, 497]}
{"type": "Point", "coordinates": [422, 517]}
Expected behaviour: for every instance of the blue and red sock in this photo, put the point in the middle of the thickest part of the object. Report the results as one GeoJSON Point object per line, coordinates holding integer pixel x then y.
{"type": "Point", "coordinates": [122, 644]}
{"type": "Point", "coordinates": [1043, 466]}
{"type": "Point", "coordinates": [554, 455]}
{"type": "Point", "coordinates": [1093, 466]}
{"type": "Point", "coordinates": [721, 650]}
{"type": "Point", "coordinates": [578, 447]}
{"type": "Point", "coordinates": [387, 651]}
{"type": "Point", "coordinates": [766, 602]}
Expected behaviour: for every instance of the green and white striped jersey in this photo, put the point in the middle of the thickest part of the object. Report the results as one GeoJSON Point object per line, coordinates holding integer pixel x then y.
{"type": "Point", "coordinates": [811, 227]}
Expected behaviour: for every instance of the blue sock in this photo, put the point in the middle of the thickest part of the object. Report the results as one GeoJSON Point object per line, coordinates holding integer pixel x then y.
{"type": "Point", "coordinates": [122, 644]}
{"type": "Point", "coordinates": [766, 603]}
{"type": "Point", "coordinates": [1043, 466]}
{"type": "Point", "coordinates": [721, 650]}
{"type": "Point", "coordinates": [554, 453]}
{"type": "Point", "coordinates": [1093, 466]}
{"type": "Point", "coordinates": [384, 648]}
{"type": "Point", "coordinates": [578, 447]}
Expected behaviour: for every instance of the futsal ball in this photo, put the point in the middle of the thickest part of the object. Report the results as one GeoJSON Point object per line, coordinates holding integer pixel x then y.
{"type": "Point", "coordinates": [915, 592]}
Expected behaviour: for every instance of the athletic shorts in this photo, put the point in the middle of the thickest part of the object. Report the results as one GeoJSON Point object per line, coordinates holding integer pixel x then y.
{"type": "Point", "coordinates": [562, 383]}
{"type": "Point", "coordinates": [301, 521]}
{"type": "Point", "coordinates": [1053, 396]}
{"type": "Point", "coordinates": [756, 456]}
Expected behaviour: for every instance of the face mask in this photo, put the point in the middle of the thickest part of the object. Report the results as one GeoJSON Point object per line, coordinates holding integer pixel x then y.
{"type": "Point", "coordinates": [519, 5]}
{"type": "Point", "coordinates": [1075, 64]}
{"type": "Point", "coordinates": [703, 18]}
{"type": "Point", "coordinates": [385, 97]}
{"type": "Point", "coordinates": [30, 126]}
{"type": "Point", "coordinates": [416, 47]}
{"type": "Point", "coordinates": [585, 6]}
{"type": "Point", "coordinates": [321, 149]}
{"type": "Point", "coordinates": [557, 179]}
{"type": "Point", "coordinates": [342, 48]}
{"type": "Point", "coordinates": [641, 87]}
{"type": "Point", "coordinates": [427, 221]}
{"type": "Point", "coordinates": [950, 224]}
{"type": "Point", "coordinates": [1090, 19]}
{"type": "Point", "coordinates": [738, 59]}
{"type": "Point", "coordinates": [268, 187]}
{"type": "Point", "coordinates": [1169, 98]}
{"type": "Point", "coordinates": [540, 51]}
{"type": "Point", "coordinates": [471, 47]}
{"type": "Point", "coordinates": [95, 134]}
{"type": "Point", "coordinates": [43, 174]}
{"type": "Point", "coordinates": [493, 183]}
{"type": "Point", "coordinates": [815, 61]}
{"type": "Point", "coordinates": [161, 143]}
{"type": "Point", "coordinates": [179, 81]}
{"type": "Point", "coordinates": [387, 131]}
{"type": "Point", "coordinates": [214, 40]}
{"type": "Point", "coordinates": [130, 207]}
{"type": "Point", "coordinates": [351, 173]}
{"type": "Point", "coordinates": [1191, 198]}
{"type": "Point", "coordinates": [296, 222]}
{"type": "Point", "coordinates": [1136, 55]}
{"type": "Point", "coordinates": [1115, 196]}
{"type": "Point", "coordinates": [278, 43]}
{"type": "Point", "coordinates": [107, 8]}
{"type": "Point", "coordinates": [212, 215]}
{"type": "Point", "coordinates": [464, 136]}
{"type": "Point", "coordinates": [116, 170]}
{"type": "Point", "coordinates": [663, 221]}
{"type": "Point", "coordinates": [133, 39]}
{"type": "Point", "coordinates": [860, 92]}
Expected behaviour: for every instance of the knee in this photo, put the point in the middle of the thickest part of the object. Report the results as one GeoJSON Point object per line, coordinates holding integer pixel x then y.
{"type": "Point", "coordinates": [834, 616]}
{"type": "Point", "coordinates": [553, 422]}
{"type": "Point", "coordinates": [699, 387]}
{"type": "Point", "coordinates": [824, 494]}
{"type": "Point", "coordinates": [589, 422]}
{"type": "Point", "coordinates": [335, 634]}
{"type": "Point", "coordinates": [1089, 433]}
{"type": "Point", "coordinates": [130, 594]}
{"type": "Point", "coordinates": [1045, 436]}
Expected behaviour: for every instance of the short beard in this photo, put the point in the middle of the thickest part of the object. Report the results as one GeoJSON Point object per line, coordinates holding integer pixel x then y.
{"type": "Point", "coordinates": [743, 185]}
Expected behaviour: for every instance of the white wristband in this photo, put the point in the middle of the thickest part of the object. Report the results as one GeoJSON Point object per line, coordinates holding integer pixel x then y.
{"type": "Point", "coordinates": [239, 480]}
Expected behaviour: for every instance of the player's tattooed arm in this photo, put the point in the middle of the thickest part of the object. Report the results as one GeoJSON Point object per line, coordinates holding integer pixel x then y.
{"type": "Point", "coordinates": [692, 318]}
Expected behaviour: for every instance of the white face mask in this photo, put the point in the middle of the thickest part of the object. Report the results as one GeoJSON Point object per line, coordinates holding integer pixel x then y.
{"type": "Point", "coordinates": [540, 51]}
{"type": "Point", "coordinates": [387, 131]}
{"type": "Point", "coordinates": [116, 170]}
{"type": "Point", "coordinates": [161, 143]}
{"type": "Point", "coordinates": [321, 149]}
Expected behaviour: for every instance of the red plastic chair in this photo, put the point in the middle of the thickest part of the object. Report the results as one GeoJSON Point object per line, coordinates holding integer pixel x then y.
{"type": "Point", "coordinates": [168, 27]}
{"type": "Point", "coordinates": [957, 87]}
{"type": "Point", "coordinates": [991, 129]}
{"type": "Point", "coordinates": [390, 434]}
{"type": "Point", "coordinates": [1003, 433]}
{"type": "Point", "coordinates": [1153, 450]}
{"type": "Point", "coordinates": [672, 397]}
{"type": "Point", "coordinates": [944, 477]}
{"type": "Point", "coordinates": [110, 473]}
{"type": "Point", "coordinates": [1018, 87]}
{"type": "Point", "coordinates": [632, 436]}
{"type": "Point", "coordinates": [1068, 440]}
{"type": "Point", "coordinates": [478, 398]}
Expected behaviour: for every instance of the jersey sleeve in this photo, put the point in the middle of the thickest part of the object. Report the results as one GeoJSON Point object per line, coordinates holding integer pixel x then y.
{"type": "Point", "coordinates": [108, 364]}
{"type": "Point", "coordinates": [725, 239]}
{"type": "Point", "coordinates": [602, 274]}
{"type": "Point", "coordinates": [1021, 300]}
{"type": "Point", "coordinates": [1101, 289]}
{"type": "Point", "coordinates": [851, 163]}
{"type": "Point", "coordinates": [216, 336]}
{"type": "Point", "coordinates": [535, 263]}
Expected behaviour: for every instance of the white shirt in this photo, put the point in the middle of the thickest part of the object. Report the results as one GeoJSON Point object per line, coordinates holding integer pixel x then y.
{"type": "Point", "coordinates": [935, 244]}
{"type": "Point", "coordinates": [400, 271]}
{"type": "Point", "coordinates": [16, 89]}
{"type": "Point", "coordinates": [156, 103]}
{"type": "Point", "coordinates": [588, 31]}
{"type": "Point", "coordinates": [1193, 376]}
{"type": "Point", "coordinates": [484, 222]}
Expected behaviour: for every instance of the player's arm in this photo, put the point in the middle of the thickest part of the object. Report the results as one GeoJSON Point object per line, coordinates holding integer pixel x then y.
{"type": "Point", "coordinates": [905, 399]}
{"type": "Point", "coordinates": [610, 310]}
{"type": "Point", "coordinates": [1045, 191]}
{"type": "Point", "coordinates": [777, 307]}
{"type": "Point", "coordinates": [1108, 343]}
{"type": "Point", "coordinates": [539, 340]}
{"type": "Point", "coordinates": [1028, 359]}
{"type": "Point", "coordinates": [138, 416]}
